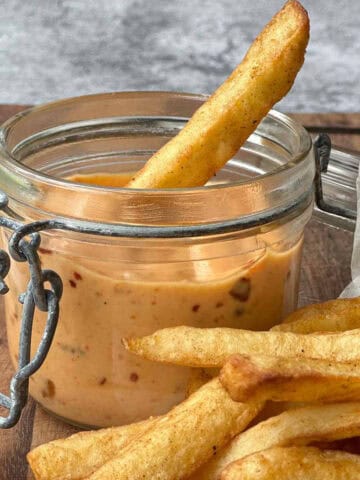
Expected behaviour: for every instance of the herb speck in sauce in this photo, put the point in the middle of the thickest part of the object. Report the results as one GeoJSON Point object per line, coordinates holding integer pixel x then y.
{"type": "Point", "coordinates": [134, 377]}
{"type": "Point", "coordinates": [78, 351]}
{"type": "Point", "coordinates": [49, 390]}
{"type": "Point", "coordinates": [45, 251]}
{"type": "Point", "coordinates": [77, 276]}
{"type": "Point", "coordinates": [241, 290]}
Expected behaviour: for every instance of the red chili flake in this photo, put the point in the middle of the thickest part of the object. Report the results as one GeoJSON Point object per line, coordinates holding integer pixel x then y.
{"type": "Point", "coordinates": [45, 251]}
{"type": "Point", "coordinates": [72, 283]}
{"type": "Point", "coordinates": [134, 377]}
{"type": "Point", "coordinates": [195, 308]}
{"type": "Point", "coordinates": [241, 290]}
{"type": "Point", "coordinates": [219, 305]}
{"type": "Point", "coordinates": [214, 449]}
{"type": "Point", "coordinates": [103, 381]}
{"type": "Point", "coordinates": [77, 276]}
{"type": "Point", "coordinates": [49, 390]}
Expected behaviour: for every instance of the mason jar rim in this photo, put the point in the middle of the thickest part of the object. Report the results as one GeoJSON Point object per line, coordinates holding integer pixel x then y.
{"type": "Point", "coordinates": [284, 189]}
{"type": "Point", "coordinates": [305, 145]}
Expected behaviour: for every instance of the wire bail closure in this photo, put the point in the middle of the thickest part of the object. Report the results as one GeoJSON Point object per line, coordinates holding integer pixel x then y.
{"type": "Point", "coordinates": [36, 296]}
{"type": "Point", "coordinates": [329, 213]}
{"type": "Point", "coordinates": [25, 241]}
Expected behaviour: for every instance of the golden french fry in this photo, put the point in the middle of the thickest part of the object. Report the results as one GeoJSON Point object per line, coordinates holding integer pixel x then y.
{"type": "Point", "coordinates": [183, 439]}
{"type": "Point", "coordinates": [222, 124]}
{"type": "Point", "coordinates": [333, 316]}
{"type": "Point", "coordinates": [81, 454]}
{"type": "Point", "coordinates": [210, 347]}
{"type": "Point", "coordinates": [290, 379]}
{"type": "Point", "coordinates": [300, 463]}
{"type": "Point", "coordinates": [299, 426]}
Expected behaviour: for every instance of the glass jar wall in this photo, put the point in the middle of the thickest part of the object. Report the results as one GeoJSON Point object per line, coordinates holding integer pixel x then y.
{"type": "Point", "coordinates": [245, 276]}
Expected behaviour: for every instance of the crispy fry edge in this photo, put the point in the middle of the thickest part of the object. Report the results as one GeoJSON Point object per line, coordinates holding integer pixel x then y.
{"type": "Point", "coordinates": [222, 124]}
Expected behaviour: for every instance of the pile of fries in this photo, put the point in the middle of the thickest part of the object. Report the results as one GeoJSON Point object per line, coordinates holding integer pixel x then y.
{"type": "Point", "coordinates": [279, 401]}
{"type": "Point", "coordinates": [207, 435]}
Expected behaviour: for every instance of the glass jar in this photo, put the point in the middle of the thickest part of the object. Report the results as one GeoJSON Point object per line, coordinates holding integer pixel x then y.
{"type": "Point", "coordinates": [233, 257]}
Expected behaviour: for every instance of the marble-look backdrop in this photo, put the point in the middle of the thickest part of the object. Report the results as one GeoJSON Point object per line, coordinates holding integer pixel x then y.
{"type": "Point", "coordinates": [58, 48]}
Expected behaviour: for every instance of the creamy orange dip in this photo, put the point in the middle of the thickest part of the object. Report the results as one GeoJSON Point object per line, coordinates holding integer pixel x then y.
{"type": "Point", "coordinates": [88, 377]}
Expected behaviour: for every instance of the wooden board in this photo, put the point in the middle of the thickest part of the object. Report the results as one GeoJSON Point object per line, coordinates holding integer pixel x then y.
{"type": "Point", "coordinates": [325, 272]}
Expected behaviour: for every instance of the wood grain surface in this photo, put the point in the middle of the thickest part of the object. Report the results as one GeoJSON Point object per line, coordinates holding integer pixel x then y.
{"type": "Point", "coordinates": [325, 271]}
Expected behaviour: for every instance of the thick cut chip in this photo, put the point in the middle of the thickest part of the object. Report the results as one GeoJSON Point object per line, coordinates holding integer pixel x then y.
{"type": "Point", "coordinates": [161, 448]}
{"type": "Point", "coordinates": [222, 124]}
{"type": "Point", "coordinates": [290, 379]}
{"type": "Point", "coordinates": [333, 316]}
{"type": "Point", "coordinates": [295, 463]}
{"type": "Point", "coordinates": [81, 454]}
{"type": "Point", "coordinates": [210, 347]}
{"type": "Point", "coordinates": [299, 426]}
{"type": "Point", "coordinates": [182, 440]}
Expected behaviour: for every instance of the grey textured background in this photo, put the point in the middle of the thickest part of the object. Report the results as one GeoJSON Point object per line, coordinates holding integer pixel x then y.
{"type": "Point", "coordinates": [58, 48]}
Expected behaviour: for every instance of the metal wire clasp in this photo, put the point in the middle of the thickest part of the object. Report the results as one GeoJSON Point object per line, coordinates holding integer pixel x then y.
{"type": "Point", "coordinates": [334, 215]}
{"type": "Point", "coordinates": [36, 296]}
